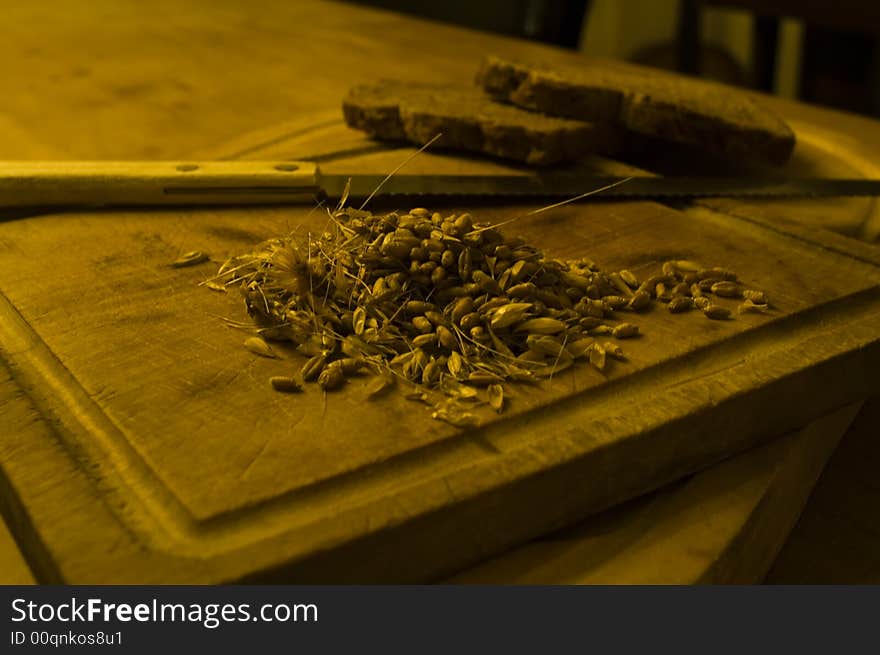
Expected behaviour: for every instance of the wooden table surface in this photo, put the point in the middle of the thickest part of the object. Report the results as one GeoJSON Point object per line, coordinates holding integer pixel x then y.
{"type": "Point", "coordinates": [167, 80]}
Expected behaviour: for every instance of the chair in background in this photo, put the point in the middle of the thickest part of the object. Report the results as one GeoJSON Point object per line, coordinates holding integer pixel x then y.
{"type": "Point", "coordinates": [839, 49]}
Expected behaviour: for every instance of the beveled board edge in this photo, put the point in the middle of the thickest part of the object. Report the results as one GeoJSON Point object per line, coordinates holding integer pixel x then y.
{"type": "Point", "coordinates": [723, 525]}
{"type": "Point", "coordinates": [418, 535]}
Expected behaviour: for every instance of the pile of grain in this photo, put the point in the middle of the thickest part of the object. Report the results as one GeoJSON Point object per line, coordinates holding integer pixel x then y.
{"type": "Point", "coordinates": [452, 307]}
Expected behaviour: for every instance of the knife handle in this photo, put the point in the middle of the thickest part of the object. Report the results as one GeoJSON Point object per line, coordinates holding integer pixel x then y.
{"type": "Point", "coordinates": [30, 184]}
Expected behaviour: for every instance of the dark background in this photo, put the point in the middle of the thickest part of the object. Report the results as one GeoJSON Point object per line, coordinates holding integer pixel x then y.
{"type": "Point", "coordinates": [839, 57]}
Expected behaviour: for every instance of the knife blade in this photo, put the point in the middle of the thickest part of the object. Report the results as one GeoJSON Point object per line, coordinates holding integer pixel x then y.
{"type": "Point", "coordinates": [563, 185]}
{"type": "Point", "coordinates": [59, 183]}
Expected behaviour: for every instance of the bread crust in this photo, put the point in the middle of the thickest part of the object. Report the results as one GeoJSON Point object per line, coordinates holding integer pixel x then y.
{"type": "Point", "coordinates": [470, 120]}
{"type": "Point", "coordinates": [708, 115]}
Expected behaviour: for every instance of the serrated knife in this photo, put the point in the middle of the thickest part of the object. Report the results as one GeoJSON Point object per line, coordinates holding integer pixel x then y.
{"type": "Point", "coordinates": [97, 183]}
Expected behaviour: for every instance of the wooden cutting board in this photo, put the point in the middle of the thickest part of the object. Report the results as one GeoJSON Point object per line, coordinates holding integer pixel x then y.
{"type": "Point", "coordinates": [170, 458]}
{"type": "Point", "coordinates": [722, 525]}
{"type": "Point", "coordinates": [110, 476]}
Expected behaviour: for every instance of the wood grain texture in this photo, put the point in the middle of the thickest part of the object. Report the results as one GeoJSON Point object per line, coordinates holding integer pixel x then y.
{"type": "Point", "coordinates": [174, 460]}
{"type": "Point", "coordinates": [200, 458]}
{"type": "Point", "coordinates": [723, 525]}
{"type": "Point", "coordinates": [126, 80]}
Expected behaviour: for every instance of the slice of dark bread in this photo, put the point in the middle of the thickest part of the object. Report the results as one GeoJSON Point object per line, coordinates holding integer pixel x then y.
{"type": "Point", "coordinates": [470, 120]}
{"type": "Point", "coordinates": [709, 115]}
